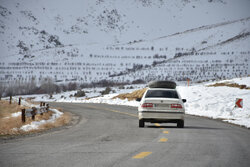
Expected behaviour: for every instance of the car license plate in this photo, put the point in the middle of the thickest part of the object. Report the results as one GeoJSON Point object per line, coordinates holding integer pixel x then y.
{"type": "Point", "coordinates": [162, 105]}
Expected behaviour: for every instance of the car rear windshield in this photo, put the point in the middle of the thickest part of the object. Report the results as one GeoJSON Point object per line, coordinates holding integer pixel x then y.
{"type": "Point", "coordinates": [161, 94]}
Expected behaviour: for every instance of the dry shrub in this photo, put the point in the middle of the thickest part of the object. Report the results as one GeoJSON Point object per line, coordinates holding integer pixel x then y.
{"type": "Point", "coordinates": [45, 116]}
{"type": "Point", "coordinates": [63, 120]}
{"type": "Point", "coordinates": [132, 96]}
{"type": "Point", "coordinates": [7, 109]}
{"type": "Point", "coordinates": [233, 85]}
{"type": "Point", "coordinates": [7, 125]}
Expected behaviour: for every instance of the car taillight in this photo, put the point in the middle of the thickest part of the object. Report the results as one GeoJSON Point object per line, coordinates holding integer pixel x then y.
{"type": "Point", "coordinates": [146, 105]}
{"type": "Point", "coordinates": [176, 106]}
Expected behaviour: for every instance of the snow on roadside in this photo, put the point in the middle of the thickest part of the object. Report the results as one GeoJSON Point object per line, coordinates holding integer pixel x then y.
{"type": "Point", "coordinates": [212, 102]}
{"type": "Point", "coordinates": [35, 124]}
{"type": "Point", "coordinates": [217, 103]}
{"type": "Point", "coordinates": [242, 81]}
{"type": "Point", "coordinates": [93, 94]}
{"type": "Point", "coordinates": [23, 102]}
{"type": "Point", "coordinates": [16, 114]}
{"type": "Point", "coordinates": [108, 99]}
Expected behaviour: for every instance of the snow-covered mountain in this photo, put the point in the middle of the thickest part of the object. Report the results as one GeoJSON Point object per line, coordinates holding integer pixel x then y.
{"type": "Point", "coordinates": [87, 40]}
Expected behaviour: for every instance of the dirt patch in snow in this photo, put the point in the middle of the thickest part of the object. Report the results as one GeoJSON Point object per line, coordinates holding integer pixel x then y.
{"type": "Point", "coordinates": [234, 85]}
{"type": "Point", "coordinates": [132, 96]}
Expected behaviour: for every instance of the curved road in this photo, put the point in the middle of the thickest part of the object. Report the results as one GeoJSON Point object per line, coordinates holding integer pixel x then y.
{"type": "Point", "coordinates": [109, 136]}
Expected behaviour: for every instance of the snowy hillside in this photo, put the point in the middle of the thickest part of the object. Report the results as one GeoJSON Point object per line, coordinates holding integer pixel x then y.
{"type": "Point", "coordinates": [86, 41]}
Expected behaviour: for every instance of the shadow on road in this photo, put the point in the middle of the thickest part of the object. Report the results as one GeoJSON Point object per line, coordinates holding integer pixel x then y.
{"type": "Point", "coordinates": [186, 127]}
{"type": "Point", "coordinates": [200, 127]}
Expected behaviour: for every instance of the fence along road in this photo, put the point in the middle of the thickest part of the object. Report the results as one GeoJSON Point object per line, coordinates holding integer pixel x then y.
{"type": "Point", "coordinates": [108, 135]}
{"type": "Point", "coordinates": [32, 112]}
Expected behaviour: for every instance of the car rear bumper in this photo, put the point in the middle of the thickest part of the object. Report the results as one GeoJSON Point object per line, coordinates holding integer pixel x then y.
{"type": "Point", "coordinates": [152, 116]}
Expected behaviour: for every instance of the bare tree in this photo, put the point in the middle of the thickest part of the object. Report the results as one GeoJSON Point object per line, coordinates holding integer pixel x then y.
{"type": "Point", "coordinates": [48, 86]}
{"type": "Point", "coordinates": [2, 89]}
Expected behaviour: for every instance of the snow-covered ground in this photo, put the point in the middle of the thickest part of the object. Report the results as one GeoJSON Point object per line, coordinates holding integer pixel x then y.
{"type": "Point", "coordinates": [218, 103]}
{"type": "Point", "coordinates": [212, 102]}
{"type": "Point", "coordinates": [240, 81]}
{"type": "Point", "coordinates": [92, 93]}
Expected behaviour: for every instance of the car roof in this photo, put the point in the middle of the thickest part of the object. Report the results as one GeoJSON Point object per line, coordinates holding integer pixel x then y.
{"type": "Point", "coordinates": [161, 89]}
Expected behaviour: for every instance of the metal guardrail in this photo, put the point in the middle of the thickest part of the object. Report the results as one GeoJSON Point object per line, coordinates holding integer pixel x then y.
{"type": "Point", "coordinates": [11, 99]}
{"type": "Point", "coordinates": [32, 112]}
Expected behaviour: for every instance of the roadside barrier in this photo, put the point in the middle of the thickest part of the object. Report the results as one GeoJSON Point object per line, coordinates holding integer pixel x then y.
{"type": "Point", "coordinates": [32, 112]}
{"type": "Point", "coordinates": [11, 99]}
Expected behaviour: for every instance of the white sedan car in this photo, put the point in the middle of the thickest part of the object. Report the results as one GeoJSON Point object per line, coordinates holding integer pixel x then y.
{"type": "Point", "coordinates": [161, 105]}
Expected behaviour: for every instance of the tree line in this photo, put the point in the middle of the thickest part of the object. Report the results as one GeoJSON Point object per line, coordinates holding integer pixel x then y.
{"type": "Point", "coordinates": [48, 86]}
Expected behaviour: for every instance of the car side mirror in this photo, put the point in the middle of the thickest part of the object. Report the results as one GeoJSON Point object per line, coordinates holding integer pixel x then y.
{"type": "Point", "coordinates": [138, 99]}
{"type": "Point", "coordinates": [184, 100]}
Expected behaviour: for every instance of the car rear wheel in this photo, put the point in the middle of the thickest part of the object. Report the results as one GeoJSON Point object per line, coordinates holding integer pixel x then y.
{"type": "Point", "coordinates": [180, 124]}
{"type": "Point", "coordinates": [141, 124]}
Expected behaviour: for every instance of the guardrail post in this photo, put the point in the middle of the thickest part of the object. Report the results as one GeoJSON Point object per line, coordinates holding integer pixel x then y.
{"type": "Point", "coordinates": [47, 107]}
{"type": "Point", "coordinates": [19, 101]}
{"type": "Point", "coordinates": [33, 113]}
{"type": "Point", "coordinates": [10, 99]}
{"type": "Point", "coordinates": [41, 104]}
{"type": "Point", "coordinates": [23, 115]}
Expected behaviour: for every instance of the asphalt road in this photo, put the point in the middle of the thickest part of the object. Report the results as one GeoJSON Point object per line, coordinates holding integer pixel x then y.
{"type": "Point", "coordinates": [109, 136]}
